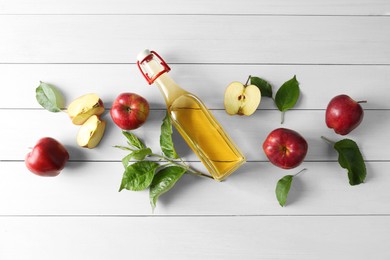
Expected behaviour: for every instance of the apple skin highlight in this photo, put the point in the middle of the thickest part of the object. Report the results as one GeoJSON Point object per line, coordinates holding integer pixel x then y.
{"type": "Point", "coordinates": [343, 114]}
{"type": "Point", "coordinates": [47, 158]}
{"type": "Point", "coordinates": [285, 148]}
{"type": "Point", "coordinates": [129, 111]}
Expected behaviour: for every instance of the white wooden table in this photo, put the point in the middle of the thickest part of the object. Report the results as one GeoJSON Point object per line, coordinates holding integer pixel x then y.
{"type": "Point", "coordinates": [333, 47]}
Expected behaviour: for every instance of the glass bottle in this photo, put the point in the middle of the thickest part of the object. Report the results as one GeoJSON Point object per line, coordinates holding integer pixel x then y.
{"type": "Point", "coordinates": [192, 119]}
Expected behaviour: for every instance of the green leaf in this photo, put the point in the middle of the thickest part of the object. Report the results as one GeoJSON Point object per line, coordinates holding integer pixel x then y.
{"type": "Point", "coordinates": [133, 140]}
{"type": "Point", "coordinates": [283, 188]}
{"type": "Point", "coordinates": [138, 155]}
{"type": "Point", "coordinates": [125, 148]}
{"type": "Point", "coordinates": [166, 142]}
{"type": "Point", "coordinates": [138, 176]}
{"type": "Point", "coordinates": [287, 95]}
{"type": "Point", "coordinates": [163, 181]}
{"type": "Point", "coordinates": [126, 160]}
{"type": "Point", "coordinates": [263, 85]}
{"type": "Point", "coordinates": [49, 97]}
{"type": "Point", "coordinates": [141, 154]}
{"type": "Point", "coordinates": [351, 159]}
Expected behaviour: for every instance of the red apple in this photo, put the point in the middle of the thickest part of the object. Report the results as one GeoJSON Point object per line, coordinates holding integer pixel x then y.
{"type": "Point", "coordinates": [47, 158]}
{"type": "Point", "coordinates": [285, 148]}
{"type": "Point", "coordinates": [129, 111]}
{"type": "Point", "coordinates": [343, 114]}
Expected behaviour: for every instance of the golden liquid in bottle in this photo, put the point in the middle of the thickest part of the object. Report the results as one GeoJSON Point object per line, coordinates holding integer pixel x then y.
{"type": "Point", "coordinates": [197, 125]}
{"type": "Point", "coordinates": [205, 136]}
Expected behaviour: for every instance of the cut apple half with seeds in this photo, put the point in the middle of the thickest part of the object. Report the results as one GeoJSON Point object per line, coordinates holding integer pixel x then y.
{"type": "Point", "coordinates": [241, 100]}
{"type": "Point", "coordinates": [91, 132]}
{"type": "Point", "coordinates": [84, 107]}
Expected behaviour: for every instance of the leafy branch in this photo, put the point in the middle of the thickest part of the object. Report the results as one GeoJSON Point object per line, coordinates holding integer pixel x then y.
{"type": "Point", "coordinates": [160, 174]}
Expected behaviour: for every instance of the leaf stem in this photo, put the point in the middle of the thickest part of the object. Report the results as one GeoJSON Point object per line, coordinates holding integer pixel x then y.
{"type": "Point", "coordinates": [328, 140]}
{"type": "Point", "coordinates": [124, 148]}
{"type": "Point", "coordinates": [282, 118]}
{"type": "Point", "coordinates": [182, 164]}
{"type": "Point", "coordinates": [192, 171]}
{"type": "Point", "coordinates": [304, 169]}
{"type": "Point", "coordinates": [163, 157]}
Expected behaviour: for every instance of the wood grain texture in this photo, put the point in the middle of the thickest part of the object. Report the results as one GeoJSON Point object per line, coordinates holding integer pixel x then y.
{"type": "Point", "coordinates": [91, 188]}
{"type": "Point", "coordinates": [197, 238]}
{"type": "Point", "coordinates": [247, 7]}
{"type": "Point", "coordinates": [249, 134]}
{"type": "Point", "coordinates": [318, 83]}
{"type": "Point", "coordinates": [218, 39]}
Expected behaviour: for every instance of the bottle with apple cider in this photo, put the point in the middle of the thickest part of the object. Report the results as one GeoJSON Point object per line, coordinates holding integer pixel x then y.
{"type": "Point", "coordinates": [192, 119]}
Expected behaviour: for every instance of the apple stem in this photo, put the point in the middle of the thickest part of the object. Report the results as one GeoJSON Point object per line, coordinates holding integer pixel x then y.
{"type": "Point", "coordinates": [282, 118]}
{"type": "Point", "coordinates": [362, 101]}
{"type": "Point", "coordinates": [247, 81]}
{"type": "Point", "coordinates": [327, 140]}
{"type": "Point", "coordinates": [304, 169]}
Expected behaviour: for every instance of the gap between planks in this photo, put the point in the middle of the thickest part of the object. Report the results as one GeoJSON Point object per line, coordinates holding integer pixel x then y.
{"type": "Point", "coordinates": [202, 63]}
{"type": "Point", "coordinates": [191, 216]}
{"type": "Point", "coordinates": [385, 15]}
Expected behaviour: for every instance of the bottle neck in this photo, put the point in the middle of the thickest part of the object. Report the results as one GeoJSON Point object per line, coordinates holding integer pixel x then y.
{"type": "Point", "coordinates": [168, 87]}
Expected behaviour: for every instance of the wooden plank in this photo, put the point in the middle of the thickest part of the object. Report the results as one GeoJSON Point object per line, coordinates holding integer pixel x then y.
{"type": "Point", "coordinates": [318, 83]}
{"type": "Point", "coordinates": [299, 7]}
{"type": "Point", "coordinates": [25, 127]}
{"type": "Point", "coordinates": [211, 39]}
{"type": "Point", "coordinates": [91, 188]}
{"type": "Point", "coordinates": [300, 238]}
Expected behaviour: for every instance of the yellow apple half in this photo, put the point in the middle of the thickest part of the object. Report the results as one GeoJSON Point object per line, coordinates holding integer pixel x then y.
{"type": "Point", "coordinates": [241, 100]}
{"type": "Point", "coordinates": [85, 106]}
{"type": "Point", "coordinates": [91, 132]}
